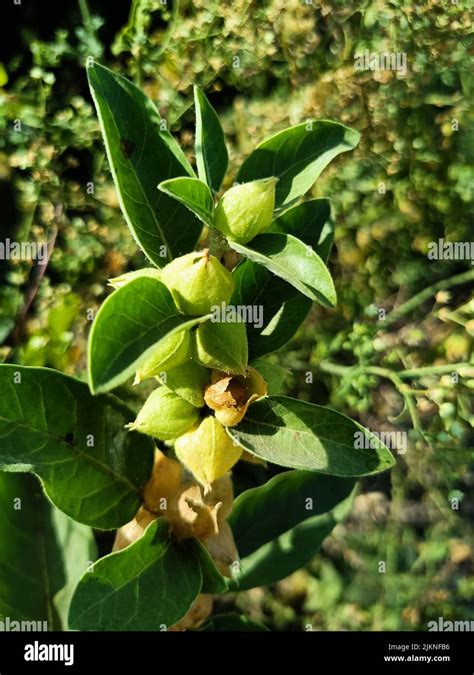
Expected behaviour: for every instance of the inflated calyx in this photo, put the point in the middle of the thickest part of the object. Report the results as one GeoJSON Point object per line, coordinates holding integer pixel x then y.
{"type": "Point", "coordinates": [246, 210]}
{"type": "Point", "coordinates": [222, 346]}
{"type": "Point", "coordinates": [230, 395]}
{"type": "Point", "coordinates": [188, 381]}
{"type": "Point", "coordinates": [207, 451]}
{"type": "Point", "coordinates": [197, 281]}
{"type": "Point", "coordinates": [165, 415]}
{"type": "Point", "coordinates": [169, 353]}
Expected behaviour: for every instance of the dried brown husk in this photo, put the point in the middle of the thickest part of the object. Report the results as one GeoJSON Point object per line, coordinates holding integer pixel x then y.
{"type": "Point", "coordinates": [230, 395]}
{"type": "Point", "coordinates": [190, 510]}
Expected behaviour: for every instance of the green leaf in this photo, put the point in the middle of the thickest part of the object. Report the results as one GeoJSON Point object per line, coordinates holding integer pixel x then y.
{"type": "Point", "coordinates": [279, 526]}
{"type": "Point", "coordinates": [289, 552]}
{"type": "Point", "coordinates": [193, 193]}
{"type": "Point", "coordinates": [262, 514]}
{"type": "Point", "coordinates": [295, 262]}
{"type": "Point", "coordinates": [310, 222]}
{"type": "Point", "coordinates": [211, 151]}
{"type": "Point", "coordinates": [91, 467]}
{"type": "Point", "coordinates": [274, 375]}
{"type": "Point", "coordinates": [302, 435]}
{"type": "Point", "coordinates": [297, 156]}
{"type": "Point", "coordinates": [127, 328]}
{"type": "Point", "coordinates": [141, 154]}
{"type": "Point", "coordinates": [212, 579]}
{"type": "Point", "coordinates": [42, 554]}
{"type": "Point", "coordinates": [231, 621]}
{"type": "Point", "coordinates": [283, 307]}
{"type": "Point", "coordinates": [149, 585]}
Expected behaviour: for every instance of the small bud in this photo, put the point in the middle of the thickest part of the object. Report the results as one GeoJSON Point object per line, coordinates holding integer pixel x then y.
{"type": "Point", "coordinates": [170, 352]}
{"type": "Point", "coordinates": [230, 396]}
{"type": "Point", "coordinates": [123, 279]}
{"type": "Point", "coordinates": [198, 281]}
{"type": "Point", "coordinates": [222, 346]}
{"type": "Point", "coordinates": [207, 451]}
{"type": "Point", "coordinates": [189, 381]}
{"type": "Point", "coordinates": [165, 415]}
{"type": "Point", "coordinates": [246, 210]}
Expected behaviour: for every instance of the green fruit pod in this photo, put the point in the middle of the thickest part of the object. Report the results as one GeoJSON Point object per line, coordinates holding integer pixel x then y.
{"type": "Point", "coordinates": [197, 281]}
{"type": "Point", "coordinates": [165, 415]}
{"type": "Point", "coordinates": [246, 210]}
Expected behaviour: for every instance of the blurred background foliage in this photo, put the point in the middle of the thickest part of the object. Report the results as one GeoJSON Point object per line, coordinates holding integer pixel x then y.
{"type": "Point", "coordinates": [266, 65]}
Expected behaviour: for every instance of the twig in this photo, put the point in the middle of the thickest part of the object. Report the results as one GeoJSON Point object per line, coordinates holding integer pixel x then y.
{"type": "Point", "coordinates": [425, 295]}
{"type": "Point", "coordinates": [36, 276]}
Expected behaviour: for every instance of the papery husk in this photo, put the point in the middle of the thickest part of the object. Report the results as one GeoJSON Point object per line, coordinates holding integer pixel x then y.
{"type": "Point", "coordinates": [133, 530]}
{"type": "Point", "coordinates": [230, 395]}
{"type": "Point", "coordinates": [197, 281]}
{"type": "Point", "coordinates": [207, 451]}
{"type": "Point", "coordinates": [191, 512]}
{"type": "Point", "coordinates": [165, 482]}
{"type": "Point", "coordinates": [164, 415]}
{"type": "Point", "coordinates": [171, 352]}
{"type": "Point", "coordinates": [222, 549]}
{"type": "Point", "coordinates": [197, 513]}
{"type": "Point", "coordinates": [246, 210]}
{"type": "Point", "coordinates": [196, 615]}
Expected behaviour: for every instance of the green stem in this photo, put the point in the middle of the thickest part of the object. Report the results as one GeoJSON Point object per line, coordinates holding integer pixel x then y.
{"type": "Point", "coordinates": [404, 392]}
{"type": "Point", "coordinates": [85, 14]}
{"type": "Point", "coordinates": [425, 295]}
{"type": "Point", "coordinates": [434, 370]}
{"type": "Point", "coordinates": [217, 243]}
{"type": "Point", "coordinates": [336, 369]}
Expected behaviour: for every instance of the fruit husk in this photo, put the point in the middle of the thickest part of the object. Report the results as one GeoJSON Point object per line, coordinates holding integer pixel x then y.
{"type": "Point", "coordinates": [133, 530]}
{"type": "Point", "coordinates": [190, 510]}
{"type": "Point", "coordinates": [230, 396]}
{"type": "Point", "coordinates": [221, 346]}
{"type": "Point", "coordinates": [164, 483]}
{"type": "Point", "coordinates": [197, 281]}
{"type": "Point", "coordinates": [207, 451]}
{"type": "Point", "coordinates": [246, 210]}
{"type": "Point", "coordinates": [188, 381]}
{"type": "Point", "coordinates": [165, 415]}
{"type": "Point", "coordinates": [171, 352]}
{"type": "Point", "coordinates": [199, 611]}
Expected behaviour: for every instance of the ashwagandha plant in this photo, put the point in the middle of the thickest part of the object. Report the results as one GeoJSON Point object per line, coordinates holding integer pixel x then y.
{"type": "Point", "coordinates": [162, 478]}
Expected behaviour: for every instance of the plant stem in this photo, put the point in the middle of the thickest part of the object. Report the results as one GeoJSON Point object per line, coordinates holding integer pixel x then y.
{"type": "Point", "coordinates": [425, 295]}
{"type": "Point", "coordinates": [397, 380]}
{"type": "Point", "coordinates": [336, 369]}
{"type": "Point", "coordinates": [435, 370]}
{"type": "Point", "coordinates": [217, 243]}
{"type": "Point", "coordinates": [85, 14]}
